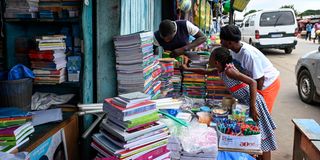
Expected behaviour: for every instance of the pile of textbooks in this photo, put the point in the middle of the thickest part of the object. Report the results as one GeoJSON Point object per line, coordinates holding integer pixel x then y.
{"type": "Point", "coordinates": [21, 8]}
{"type": "Point", "coordinates": [137, 67]}
{"type": "Point", "coordinates": [131, 129]}
{"type": "Point", "coordinates": [167, 72]}
{"type": "Point", "coordinates": [15, 128]}
{"type": "Point", "coordinates": [49, 60]}
{"type": "Point", "coordinates": [216, 88]}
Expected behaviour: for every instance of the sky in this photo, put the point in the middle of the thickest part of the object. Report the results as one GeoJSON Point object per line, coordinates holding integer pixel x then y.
{"type": "Point", "coordinates": [299, 5]}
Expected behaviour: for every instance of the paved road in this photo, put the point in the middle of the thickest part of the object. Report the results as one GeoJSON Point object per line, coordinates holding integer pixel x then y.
{"type": "Point", "coordinates": [288, 105]}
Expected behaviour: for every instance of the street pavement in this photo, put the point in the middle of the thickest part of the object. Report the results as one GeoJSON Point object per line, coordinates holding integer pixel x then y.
{"type": "Point", "coordinates": [288, 104]}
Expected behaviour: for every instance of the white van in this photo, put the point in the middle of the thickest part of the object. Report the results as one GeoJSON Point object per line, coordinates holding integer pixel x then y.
{"type": "Point", "coordinates": [271, 29]}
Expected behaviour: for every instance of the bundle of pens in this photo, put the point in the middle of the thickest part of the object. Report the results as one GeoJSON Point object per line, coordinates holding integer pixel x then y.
{"type": "Point", "coordinates": [233, 127]}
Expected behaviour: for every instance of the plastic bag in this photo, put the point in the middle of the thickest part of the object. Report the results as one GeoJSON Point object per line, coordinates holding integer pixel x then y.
{"type": "Point", "coordinates": [45, 100]}
{"type": "Point", "coordinates": [20, 71]}
{"type": "Point", "coordinates": [234, 156]}
{"type": "Point", "coordinates": [199, 138]}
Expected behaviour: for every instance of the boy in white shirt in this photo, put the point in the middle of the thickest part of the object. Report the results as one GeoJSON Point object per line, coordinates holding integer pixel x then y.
{"type": "Point", "coordinates": [253, 63]}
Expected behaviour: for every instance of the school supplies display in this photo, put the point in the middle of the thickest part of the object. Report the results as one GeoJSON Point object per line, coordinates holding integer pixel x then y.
{"type": "Point", "coordinates": [167, 71]}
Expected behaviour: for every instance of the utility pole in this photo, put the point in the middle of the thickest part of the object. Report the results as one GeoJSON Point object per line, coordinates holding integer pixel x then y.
{"type": "Point", "coordinates": [231, 14]}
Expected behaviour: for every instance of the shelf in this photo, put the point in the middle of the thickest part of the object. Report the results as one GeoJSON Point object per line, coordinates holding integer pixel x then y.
{"type": "Point", "coordinates": [64, 84]}
{"type": "Point", "coordinates": [29, 20]}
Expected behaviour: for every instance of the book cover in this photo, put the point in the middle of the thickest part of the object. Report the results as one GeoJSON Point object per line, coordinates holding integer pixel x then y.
{"type": "Point", "coordinates": [134, 96]}
{"type": "Point", "coordinates": [125, 136]}
{"type": "Point", "coordinates": [11, 112]}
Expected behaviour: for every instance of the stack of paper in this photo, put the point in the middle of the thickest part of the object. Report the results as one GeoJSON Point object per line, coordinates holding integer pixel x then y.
{"type": "Point", "coordinates": [168, 103]}
{"type": "Point", "coordinates": [15, 128]}
{"type": "Point", "coordinates": [131, 131]}
{"type": "Point", "coordinates": [49, 61]}
{"type": "Point", "coordinates": [21, 8]}
{"type": "Point", "coordinates": [167, 71]}
{"type": "Point", "coordinates": [137, 68]}
{"type": "Point", "coordinates": [216, 88]}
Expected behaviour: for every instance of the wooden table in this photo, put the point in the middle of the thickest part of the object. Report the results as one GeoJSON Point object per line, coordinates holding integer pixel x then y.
{"type": "Point", "coordinates": [45, 131]}
{"type": "Point", "coordinates": [306, 139]}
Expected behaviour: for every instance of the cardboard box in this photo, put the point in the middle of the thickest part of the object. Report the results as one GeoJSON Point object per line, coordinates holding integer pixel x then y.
{"type": "Point", "coordinates": [252, 142]}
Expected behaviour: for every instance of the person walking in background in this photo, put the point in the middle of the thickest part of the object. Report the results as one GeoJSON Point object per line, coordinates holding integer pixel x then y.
{"type": "Point", "coordinates": [252, 62]}
{"type": "Point", "coordinates": [313, 34]}
{"type": "Point", "coordinates": [308, 29]}
{"type": "Point", "coordinates": [317, 31]}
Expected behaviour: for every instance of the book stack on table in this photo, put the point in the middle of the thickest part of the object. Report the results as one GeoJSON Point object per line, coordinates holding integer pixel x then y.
{"type": "Point", "coordinates": [15, 128]}
{"type": "Point", "coordinates": [132, 129]}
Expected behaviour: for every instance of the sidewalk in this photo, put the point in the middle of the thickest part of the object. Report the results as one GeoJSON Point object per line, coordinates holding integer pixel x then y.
{"type": "Point", "coordinates": [303, 40]}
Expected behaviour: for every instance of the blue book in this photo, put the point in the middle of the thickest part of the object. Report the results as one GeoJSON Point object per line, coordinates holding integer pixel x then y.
{"type": "Point", "coordinates": [11, 112]}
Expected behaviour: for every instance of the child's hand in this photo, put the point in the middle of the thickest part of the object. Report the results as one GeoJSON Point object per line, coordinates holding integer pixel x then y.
{"type": "Point", "coordinates": [254, 114]}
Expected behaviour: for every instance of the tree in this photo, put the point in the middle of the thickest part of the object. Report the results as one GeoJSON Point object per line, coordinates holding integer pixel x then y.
{"type": "Point", "coordinates": [251, 11]}
{"type": "Point", "coordinates": [310, 12]}
{"type": "Point", "coordinates": [292, 7]}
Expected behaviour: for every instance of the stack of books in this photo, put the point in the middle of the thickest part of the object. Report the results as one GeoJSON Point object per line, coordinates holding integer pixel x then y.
{"type": "Point", "coordinates": [15, 128]}
{"type": "Point", "coordinates": [49, 60]}
{"type": "Point", "coordinates": [70, 8]}
{"type": "Point", "coordinates": [167, 72]}
{"type": "Point", "coordinates": [176, 81]}
{"type": "Point", "coordinates": [132, 129]}
{"type": "Point", "coordinates": [216, 88]}
{"type": "Point", "coordinates": [137, 67]}
{"type": "Point", "coordinates": [194, 85]}
{"type": "Point", "coordinates": [21, 8]}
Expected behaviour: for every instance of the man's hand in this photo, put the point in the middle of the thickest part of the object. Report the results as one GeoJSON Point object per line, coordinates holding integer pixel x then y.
{"type": "Point", "coordinates": [185, 63]}
{"type": "Point", "coordinates": [177, 52]}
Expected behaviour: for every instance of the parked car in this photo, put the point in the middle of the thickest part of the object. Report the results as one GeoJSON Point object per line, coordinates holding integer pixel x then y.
{"type": "Point", "coordinates": [271, 29]}
{"type": "Point", "coordinates": [308, 77]}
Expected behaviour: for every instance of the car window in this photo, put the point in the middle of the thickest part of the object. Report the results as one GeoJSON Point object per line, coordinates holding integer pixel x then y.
{"type": "Point", "coordinates": [251, 20]}
{"type": "Point", "coordinates": [278, 18]}
{"type": "Point", "coordinates": [246, 24]}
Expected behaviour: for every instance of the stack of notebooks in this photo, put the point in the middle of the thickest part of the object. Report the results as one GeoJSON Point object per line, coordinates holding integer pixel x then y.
{"type": "Point", "coordinates": [176, 81]}
{"type": "Point", "coordinates": [216, 88]}
{"type": "Point", "coordinates": [194, 85]}
{"type": "Point", "coordinates": [167, 72]}
{"type": "Point", "coordinates": [137, 68]}
{"type": "Point", "coordinates": [49, 60]}
{"type": "Point", "coordinates": [51, 9]}
{"type": "Point", "coordinates": [21, 8]}
{"type": "Point", "coordinates": [132, 129]}
{"type": "Point", "coordinates": [15, 128]}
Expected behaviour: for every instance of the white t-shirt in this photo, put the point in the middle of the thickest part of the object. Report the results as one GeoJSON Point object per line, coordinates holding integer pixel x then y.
{"type": "Point", "coordinates": [192, 30]}
{"type": "Point", "coordinates": [255, 64]}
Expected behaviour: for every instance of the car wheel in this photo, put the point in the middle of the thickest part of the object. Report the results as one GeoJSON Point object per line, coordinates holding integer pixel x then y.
{"type": "Point", "coordinates": [306, 87]}
{"type": "Point", "coordinates": [288, 50]}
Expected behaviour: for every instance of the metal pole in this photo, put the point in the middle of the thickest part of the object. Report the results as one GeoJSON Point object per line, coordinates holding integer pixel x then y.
{"type": "Point", "coordinates": [231, 20]}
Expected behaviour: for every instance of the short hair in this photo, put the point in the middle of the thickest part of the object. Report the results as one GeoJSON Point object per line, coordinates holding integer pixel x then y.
{"type": "Point", "coordinates": [230, 33]}
{"type": "Point", "coordinates": [222, 55]}
{"type": "Point", "coordinates": [167, 27]}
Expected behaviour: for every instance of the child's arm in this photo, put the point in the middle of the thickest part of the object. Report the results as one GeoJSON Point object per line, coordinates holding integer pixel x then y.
{"type": "Point", "coordinates": [234, 74]}
{"type": "Point", "coordinates": [185, 67]}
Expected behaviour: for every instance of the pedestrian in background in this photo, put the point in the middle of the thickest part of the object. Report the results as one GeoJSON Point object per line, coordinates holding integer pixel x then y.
{"type": "Point", "coordinates": [308, 29]}
{"type": "Point", "coordinates": [252, 62]}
